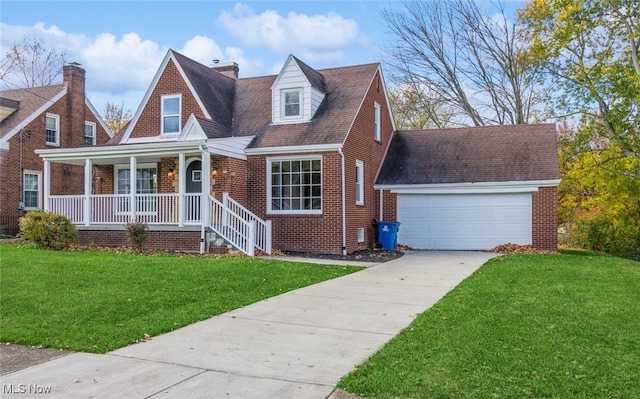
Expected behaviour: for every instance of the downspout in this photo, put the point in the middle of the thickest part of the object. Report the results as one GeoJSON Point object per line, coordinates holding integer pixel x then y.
{"type": "Point", "coordinates": [344, 202]}
{"type": "Point", "coordinates": [381, 215]}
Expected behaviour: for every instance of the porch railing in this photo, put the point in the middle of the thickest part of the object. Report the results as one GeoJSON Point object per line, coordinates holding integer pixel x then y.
{"type": "Point", "coordinates": [229, 219]}
{"type": "Point", "coordinates": [232, 227]}
{"type": "Point", "coordinates": [115, 208]}
{"type": "Point", "coordinates": [263, 227]}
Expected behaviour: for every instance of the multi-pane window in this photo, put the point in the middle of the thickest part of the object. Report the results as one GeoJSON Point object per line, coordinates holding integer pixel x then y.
{"type": "Point", "coordinates": [291, 102]}
{"type": "Point", "coordinates": [295, 185]}
{"type": "Point", "coordinates": [170, 114]}
{"type": "Point", "coordinates": [52, 129]}
{"type": "Point", "coordinates": [89, 133]}
{"type": "Point", "coordinates": [146, 183]}
{"type": "Point", "coordinates": [359, 182]}
{"type": "Point", "coordinates": [31, 195]}
{"type": "Point", "coordinates": [376, 122]}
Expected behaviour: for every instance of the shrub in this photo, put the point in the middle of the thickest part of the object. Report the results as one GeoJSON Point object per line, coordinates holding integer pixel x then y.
{"type": "Point", "coordinates": [47, 230]}
{"type": "Point", "coordinates": [617, 236]}
{"type": "Point", "coordinates": [138, 234]}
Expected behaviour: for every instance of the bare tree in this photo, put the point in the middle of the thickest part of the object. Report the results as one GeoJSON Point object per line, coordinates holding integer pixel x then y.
{"type": "Point", "coordinates": [116, 117]}
{"type": "Point", "coordinates": [415, 107]}
{"type": "Point", "coordinates": [472, 62]}
{"type": "Point", "coordinates": [31, 63]}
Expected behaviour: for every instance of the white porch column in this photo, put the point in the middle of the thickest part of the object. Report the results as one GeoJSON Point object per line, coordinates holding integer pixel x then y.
{"type": "Point", "coordinates": [46, 185]}
{"type": "Point", "coordinates": [182, 188]}
{"type": "Point", "coordinates": [204, 202]}
{"type": "Point", "coordinates": [133, 173]}
{"type": "Point", "coordinates": [86, 214]}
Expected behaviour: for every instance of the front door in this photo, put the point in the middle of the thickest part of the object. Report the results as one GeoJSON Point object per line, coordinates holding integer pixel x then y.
{"type": "Point", "coordinates": [194, 186]}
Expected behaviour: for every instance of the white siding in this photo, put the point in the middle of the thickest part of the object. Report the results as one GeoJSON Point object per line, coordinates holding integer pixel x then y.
{"type": "Point", "coordinates": [291, 77]}
{"type": "Point", "coordinates": [316, 99]}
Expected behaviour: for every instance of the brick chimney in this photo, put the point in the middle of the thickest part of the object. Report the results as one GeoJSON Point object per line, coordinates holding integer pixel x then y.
{"type": "Point", "coordinates": [74, 78]}
{"type": "Point", "coordinates": [230, 69]}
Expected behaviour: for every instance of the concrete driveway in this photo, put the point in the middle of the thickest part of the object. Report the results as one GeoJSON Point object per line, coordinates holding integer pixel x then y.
{"type": "Point", "coordinates": [295, 345]}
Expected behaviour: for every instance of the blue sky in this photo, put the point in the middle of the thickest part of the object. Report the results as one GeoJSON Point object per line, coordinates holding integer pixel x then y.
{"type": "Point", "coordinates": [121, 43]}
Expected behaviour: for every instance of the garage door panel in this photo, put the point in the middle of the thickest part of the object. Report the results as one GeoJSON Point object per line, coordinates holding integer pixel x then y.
{"type": "Point", "coordinates": [470, 221]}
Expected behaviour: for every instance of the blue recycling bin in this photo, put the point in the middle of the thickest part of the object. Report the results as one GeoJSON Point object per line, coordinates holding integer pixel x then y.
{"type": "Point", "coordinates": [388, 235]}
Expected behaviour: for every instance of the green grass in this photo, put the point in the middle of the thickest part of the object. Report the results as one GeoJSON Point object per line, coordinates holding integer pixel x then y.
{"type": "Point", "coordinates": [96, 301]}
{"type": "Point", "coordinates": [522, 326]}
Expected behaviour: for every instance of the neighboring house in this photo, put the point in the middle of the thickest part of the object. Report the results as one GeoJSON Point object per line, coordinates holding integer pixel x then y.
{"type": "Point", "coordinates": [55, 116]}
{"type": "Point", "coordinates": [286, 161]}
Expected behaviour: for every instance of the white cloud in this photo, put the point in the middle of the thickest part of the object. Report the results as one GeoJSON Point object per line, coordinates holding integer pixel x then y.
{"type": "Point", "coordinates": [202, 49]}
{"type": "Point", "coordinates": [125, 64]}
{"type": "Point", "coordinates": [321, 38]}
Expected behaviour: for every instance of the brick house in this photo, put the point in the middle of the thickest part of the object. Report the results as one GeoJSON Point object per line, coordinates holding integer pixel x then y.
{"type": "Point", "coordinates": [287, 161]}
{"type": "Point", "coordinates": [55, 116]}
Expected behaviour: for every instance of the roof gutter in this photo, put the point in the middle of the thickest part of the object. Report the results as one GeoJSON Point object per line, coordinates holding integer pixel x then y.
{"type": "Point", "coordinates": [469, 188]}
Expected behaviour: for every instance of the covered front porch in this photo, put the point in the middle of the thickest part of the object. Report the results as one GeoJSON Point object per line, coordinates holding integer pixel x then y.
{"type": "Point", "coordinates": [173, 186]}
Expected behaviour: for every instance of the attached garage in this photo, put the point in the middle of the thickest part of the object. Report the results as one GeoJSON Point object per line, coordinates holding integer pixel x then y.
{"type": "Point", "coordinates": [472, 188]}
{"type": "Point", "coordinates": [464, 221]}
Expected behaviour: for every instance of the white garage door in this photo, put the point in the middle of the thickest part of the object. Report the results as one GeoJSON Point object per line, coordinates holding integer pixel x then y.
{"type": "Point", "coordinates": [464, 221]}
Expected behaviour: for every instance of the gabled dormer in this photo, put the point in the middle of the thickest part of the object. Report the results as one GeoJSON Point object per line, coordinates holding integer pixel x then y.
{"type": "Point", "coordinates": [296, 93]}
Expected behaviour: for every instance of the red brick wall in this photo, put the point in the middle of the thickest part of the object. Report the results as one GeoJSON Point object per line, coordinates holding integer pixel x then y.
{"type": "Point", "coordinates": [389, 206]}
{"type": "Point", "coordinates": [65, 179]}
{"type": "Point", "coordinates": [323, 233]}
{"type": "Point", "coordinates": [231, 177]}
{"type": "Point", "coordinates": [148, 125]}
{"type": "Point", "coordinates": [183, 241]}
{"type": "Point", "coordinates": [545, 219]}
{"type": "Point", "coordinates": [360, 145]}
{"type": "Point", "coordinates": [313, 233]}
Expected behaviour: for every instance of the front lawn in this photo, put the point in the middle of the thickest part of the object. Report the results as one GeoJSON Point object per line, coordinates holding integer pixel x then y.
{"type": "Point", "coordinates": [523, 326]}
{"type": "Point", "coordinates": [97, 301]}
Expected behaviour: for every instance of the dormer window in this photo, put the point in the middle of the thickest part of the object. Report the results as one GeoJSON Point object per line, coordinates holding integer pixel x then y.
{"type": "Point", "coordinates": [170, 121]}
{"type": "Point", "coordinates": [292, 103]}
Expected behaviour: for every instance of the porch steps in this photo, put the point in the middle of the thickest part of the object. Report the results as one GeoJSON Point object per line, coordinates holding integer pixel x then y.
{"type": "Point", "coordinates": [218, 245]}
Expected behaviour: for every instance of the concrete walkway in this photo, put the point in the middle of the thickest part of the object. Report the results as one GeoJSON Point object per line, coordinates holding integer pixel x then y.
{"type": "Point", "coordinates": [295, 345]}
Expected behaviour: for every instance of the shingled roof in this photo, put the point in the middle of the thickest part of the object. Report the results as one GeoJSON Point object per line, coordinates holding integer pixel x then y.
{"type": "Point", "coordinates": [215, 90]}
{"type": "Point", "coordinates": [30, 100]}
{"type": "Point", "coordinates": [345, 87]}
{"type": "Point", "coordinates": [502, 153]}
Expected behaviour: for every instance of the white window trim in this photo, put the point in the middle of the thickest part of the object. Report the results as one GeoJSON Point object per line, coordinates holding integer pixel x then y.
{"type": "Point", "coordinates": [270, 211]}
{"type": "Point", "coordinates": [57, 119]}
{"type": "Point", "coordinates": [24, 186]}
{"type": "Point", "coordinates": [360, 234]}
{"type": "Point", "coordinates": [359, 183]}
{"type": "Point", "coordinates": [116, 169]}
{"type": "Point", "coordinates": [93, 137]}
{"type": "Point", "coordinates": [162, 114]}
{"type": "Point", "coordinates": [376, 122]}
{"type": "Point", "coordinates": [283, 104]}
{"type": "Point", "coordinates": [196, 175]}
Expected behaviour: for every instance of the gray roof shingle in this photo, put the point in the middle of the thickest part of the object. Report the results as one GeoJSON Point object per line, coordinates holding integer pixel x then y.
{"type": "Point", "coordinates": [346, 87]}
{"type": "Point", "coordinates": [30, 100]}
{"type": "Point", "coordinates": [215, 90]}
{"type": "Point", "coordinates": [471, 155]}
